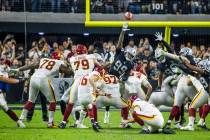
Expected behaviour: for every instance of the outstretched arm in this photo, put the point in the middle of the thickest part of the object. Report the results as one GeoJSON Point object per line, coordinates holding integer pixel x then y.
{"type": "Point", "coordinates": [27, 67]}
{"type": "Point", "coordinates": [122, 34]}
{"type": "Point", "coordinates": [185, 61]}
{"type": "Point", "coordinates": [159, 37]}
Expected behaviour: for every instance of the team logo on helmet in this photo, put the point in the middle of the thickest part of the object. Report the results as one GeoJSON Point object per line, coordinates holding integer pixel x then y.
{"type": "Point", "coordinates": [185, 51]}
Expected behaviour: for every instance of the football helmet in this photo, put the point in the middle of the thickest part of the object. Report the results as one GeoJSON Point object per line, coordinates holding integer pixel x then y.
{"type": "Point", "coordinates": [130, 54]}
{"type": "Point", "coordinates": [185, 51]}
{"type": "Point", "coordinates": [205, 65]}
{"type": "Point", "coordinates": [81, 49]}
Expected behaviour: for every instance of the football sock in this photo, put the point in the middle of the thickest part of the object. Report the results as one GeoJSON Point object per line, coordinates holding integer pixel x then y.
{"type": "Point", "coordinates": [67, 112]}
{"type": "Point", "coordinates": [191, 116]}
{"type": "Point", "coordinates": [12, 115]}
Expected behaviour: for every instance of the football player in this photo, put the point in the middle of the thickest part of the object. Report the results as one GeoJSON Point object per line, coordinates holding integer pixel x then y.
{"type": "Point", "coordinates": [146, 115]}
{"type": "Point", "coordinates": [124, 60]}
{"type": "Point", "coordinates": [202, 86]}
{"type": "Point", "coordinates": [171, 73]}
{"type": "Point", "coordinates": [86, 88]}
{"type": "Point", "coordinates": [134, 85]}
{"type": "Point", "coordinates": [111, 85]}
{"type": "Point", "coordinates": [82, 64]}
{"type": "Point", "coordinates": [4, 81]}
{"type": "Point", "coordinates": [41, 81]}
{"type": "Point", "coordinates": [187, 64]}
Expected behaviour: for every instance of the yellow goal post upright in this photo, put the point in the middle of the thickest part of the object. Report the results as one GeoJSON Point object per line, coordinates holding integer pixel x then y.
{"type": "Point", "coordinates": [166, 24]}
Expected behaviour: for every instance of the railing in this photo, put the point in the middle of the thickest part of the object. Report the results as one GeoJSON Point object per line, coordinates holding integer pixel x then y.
{"type": "Point", "coordinates": [109, 6]}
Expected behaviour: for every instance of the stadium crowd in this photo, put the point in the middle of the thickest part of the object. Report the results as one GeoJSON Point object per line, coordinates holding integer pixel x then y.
{"type": "Point", "coordinates": [14, 54]}
{"type": "Point", "coordinates": [110, 6]}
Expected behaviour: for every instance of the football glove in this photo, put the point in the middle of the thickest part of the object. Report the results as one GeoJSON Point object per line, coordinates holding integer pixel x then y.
{"type": "Point", "coordinates": [125, 27]}
{"type": "Point", "coordinates": [159, 36]}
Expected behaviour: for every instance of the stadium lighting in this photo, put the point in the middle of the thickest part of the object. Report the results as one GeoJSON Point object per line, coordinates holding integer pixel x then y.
{"type": "Point", "coordinates": [86, 34]}
{"type": "Point", "coordinates": [41, 33]}
{"type": "Point", "coordinates": [130, 35]}
{"type": "Point", "coordinates": [175, 35]}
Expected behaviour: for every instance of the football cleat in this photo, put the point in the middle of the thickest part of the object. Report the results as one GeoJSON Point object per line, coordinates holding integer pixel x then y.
{"type": "Point", "coordinates": [94, 126]}
{"type": "Point", "coordinates": [51, 125]}
{"type": "Point", "coordinates": [81, 126]}
{"type": "Point", "coordinates": [168, 131]}
{"type": "Point", "coordinates": [177, 125]}
{"type": "Point", "coordinates": [99, 127]}
{"type": "Point", "coordinates": [203, 126]}
{"type": "Point", "coordinates": [62, 125]}
{"type": "Point", "coordinates": [73, 126]}
{"type": "Point", "coordinates": [188, 128]}
{"type": "Point", "coordinates": [122, 125]}
{"type": "Point", "coordinates": [20, 124]}
{"type": "Point", "coordinates": [144, 131]}
{"type": "Point", "coordinates": [183, 120]}
{"type": "Point", "coordinates": [167, 126]}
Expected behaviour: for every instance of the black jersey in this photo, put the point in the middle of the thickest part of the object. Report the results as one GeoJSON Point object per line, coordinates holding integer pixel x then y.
{"type": "Point", "coordinates": [121, 67]}
{"type": "Point", "coordinates": [167, 67]}
{"type": "Point", "coordinates": [205, 81]}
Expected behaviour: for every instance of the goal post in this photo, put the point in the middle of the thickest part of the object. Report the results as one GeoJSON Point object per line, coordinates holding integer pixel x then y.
{"type": "Point", "coordinates": [165, 24]}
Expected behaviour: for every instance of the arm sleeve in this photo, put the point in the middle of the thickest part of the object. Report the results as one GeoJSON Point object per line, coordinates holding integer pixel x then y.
{"type": "Point", "coordinates": [169, 48]}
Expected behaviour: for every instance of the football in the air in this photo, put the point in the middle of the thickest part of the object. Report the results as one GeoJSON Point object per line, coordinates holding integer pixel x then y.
{"type": "Point", "coordinates": [128, 16]}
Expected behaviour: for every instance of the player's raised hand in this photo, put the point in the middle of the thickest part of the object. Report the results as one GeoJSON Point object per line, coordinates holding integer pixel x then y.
{"type": "Point", "coordinates": [125, 27]}
{"type": "Point", "coordinates": [159, 36]}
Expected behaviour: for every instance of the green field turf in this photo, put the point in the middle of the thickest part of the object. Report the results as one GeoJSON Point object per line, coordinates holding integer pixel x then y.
{"type": "Point", "coordinates": [36, 130]}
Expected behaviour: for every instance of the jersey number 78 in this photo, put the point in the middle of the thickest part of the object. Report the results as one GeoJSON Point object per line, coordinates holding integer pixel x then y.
{"type": "Point", "coordinates": [48, 64]}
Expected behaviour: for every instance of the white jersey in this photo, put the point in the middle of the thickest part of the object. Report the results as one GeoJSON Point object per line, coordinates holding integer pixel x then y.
{"type": "Point", "coordinates": [142, 78]}
{"type": "Point", "coordinates": [3, 71]}
{"type": "Point", "coordinates": [48, 68]}
{"type": "Point", "coordinates": [82, 64]}
{"type": "Point", "coordinates": [84, 81]}
{"type": "Point", "coordinates": [84, 88]}
{"type": "Point", "coordinates": [144, 107]}
{"type": "Point", "coordinates": [111, 85]}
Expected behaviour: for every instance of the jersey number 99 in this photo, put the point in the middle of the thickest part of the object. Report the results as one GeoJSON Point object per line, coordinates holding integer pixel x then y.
{"type": "Point", "coordinates": [120, 67]}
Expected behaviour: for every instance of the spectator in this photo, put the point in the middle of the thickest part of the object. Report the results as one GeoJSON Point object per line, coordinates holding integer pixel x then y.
{"type": "Point", "coordinates": [20, 55]}
{"type": "Point", "coordinates": [46, 51]}
{"type": "Point", "coordinates": [35, 5]}
{"type": "Point", "coordinates": [207, 54]}
{"type": "Point", "coordinates": [153, 74]}
{"type": "Point", "coordinates": [55, 5]}
{"type": "Point", "coordinates": [9, 45]}
{"type": "Point", "coordinates": [203, 51]}
{"type": "Point", "coordinates": [112, 53]}
{"type": "Point", "coordinates": [34, 52]}
{"type": "Point", "coordinates": [195, 7]}
{"type": "Point", "coordinates": [97, 6]}
{"type": "Point", "coordinates": [109, 6]}
{"type": "Point", "coordinates": [131, 44]}
{"type": "Point", "coordinates": [123, 5]}
{"type": "Point", "coordinates": [194, 50]}
{"type": "Point", "coordinates": [134, 7]}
